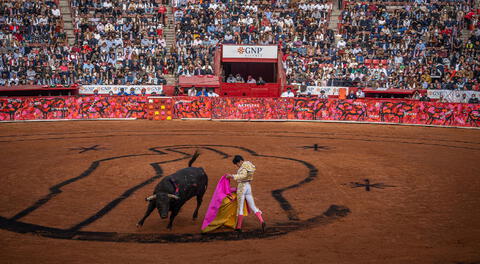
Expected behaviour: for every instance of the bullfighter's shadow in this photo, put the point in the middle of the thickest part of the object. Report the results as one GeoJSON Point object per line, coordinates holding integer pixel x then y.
{"type": "Point", "coordinates": [275, 229]}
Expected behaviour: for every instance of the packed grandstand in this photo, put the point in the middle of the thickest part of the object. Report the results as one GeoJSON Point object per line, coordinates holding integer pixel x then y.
{"type": "Point", "coordinates": [409, 45]}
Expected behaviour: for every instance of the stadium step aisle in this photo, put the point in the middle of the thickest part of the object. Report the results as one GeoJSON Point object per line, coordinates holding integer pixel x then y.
{"type": "Point", "coordinates": [67, 21]}
{"type": "Point", "coordinates": [466, 34]}
{"type": "Point", "coordinates": [169, 34]}
{"type": "Point", "coordinates": [334, 18]}
{"type": "Point", "coordinates": [334, 21]}
{"type": "Point", "coordinates": [169, 30]}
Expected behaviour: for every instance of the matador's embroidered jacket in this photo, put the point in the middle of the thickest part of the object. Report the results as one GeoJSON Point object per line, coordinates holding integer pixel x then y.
{"type": "Point", "coordinates": [243, 176]}
{"type": "Point", "coordinates": [245, 172]}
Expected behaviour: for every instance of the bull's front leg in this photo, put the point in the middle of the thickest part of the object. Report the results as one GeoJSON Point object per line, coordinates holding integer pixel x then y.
{"type": "Point", "coordinates": [199, 203]}
{"type": "Point", "coordinates": [150, 208]}
{"type": "Point", "coordinates": [172, 217]}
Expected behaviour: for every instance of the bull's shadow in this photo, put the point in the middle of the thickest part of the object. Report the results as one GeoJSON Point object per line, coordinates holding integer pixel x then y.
{"type": "Point", "coordinates": [294, 223]}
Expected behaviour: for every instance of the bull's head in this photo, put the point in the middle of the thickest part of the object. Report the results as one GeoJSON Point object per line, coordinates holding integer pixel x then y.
{"type": "Point", "coordinates": [163, 203]}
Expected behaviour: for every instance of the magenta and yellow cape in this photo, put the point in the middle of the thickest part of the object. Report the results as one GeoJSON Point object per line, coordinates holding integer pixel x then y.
{"type": "Point", "coordinates": [222, 210]}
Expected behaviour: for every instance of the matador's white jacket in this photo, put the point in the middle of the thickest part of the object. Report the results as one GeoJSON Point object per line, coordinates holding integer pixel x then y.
{"type": "Point", "coordinates": [243, 176]}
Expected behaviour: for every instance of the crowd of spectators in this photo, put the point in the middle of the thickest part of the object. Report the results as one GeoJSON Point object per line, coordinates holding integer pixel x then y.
{"type": "Point", "coordinates": [31, 34]}
{"type": "Point", "coordinates": [418, 46]}
{"type": "Point", "coordinates": [116, 42]}
{"type": "Point", "coordinates": [297, 27]}
{"type": "Point", "coordinates": [27, 22]}
{"type": "Point", "coordinates": [239, 79]}
{"type": "Point", "coordinates": [121, 42]}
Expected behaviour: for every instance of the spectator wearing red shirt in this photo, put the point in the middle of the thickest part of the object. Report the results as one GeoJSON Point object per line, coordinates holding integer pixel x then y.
{"type": "Point", "coordinates": [161, 12]}
{"type": "Point", "coordinates": [86, 48]}
{"type": "Point", "coordinates": [64, 70]}
{"type": "Point", "coordinates": [469, 19]}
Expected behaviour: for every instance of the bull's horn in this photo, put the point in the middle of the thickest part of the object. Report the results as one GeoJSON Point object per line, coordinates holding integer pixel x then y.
{"type": "Point", "coordinates": [151, 197]}
{"type": "Point", "coordinates": [173, 196]}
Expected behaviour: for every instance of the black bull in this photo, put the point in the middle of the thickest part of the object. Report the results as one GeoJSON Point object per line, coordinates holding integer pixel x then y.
{"type": "Point", "coordinates": [175, 190]}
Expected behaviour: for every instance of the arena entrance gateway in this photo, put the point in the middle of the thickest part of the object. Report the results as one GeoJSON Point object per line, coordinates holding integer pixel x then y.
{"type": "Point", "coordinates": [251, 60]}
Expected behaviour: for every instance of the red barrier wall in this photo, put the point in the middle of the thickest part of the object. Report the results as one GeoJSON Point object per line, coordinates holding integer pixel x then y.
{"type": "Point", "coordinates": [72, 107]}
{"type": "Point", "coordinates": [87, 107]}
{"type": "Point", "coordinates": [395, 111]}
{"type": "Point", "coordinates": [192, 107]}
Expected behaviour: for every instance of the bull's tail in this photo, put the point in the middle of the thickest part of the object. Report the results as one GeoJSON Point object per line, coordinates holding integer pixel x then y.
{"type": "Point", "coordinates": [194, 158]}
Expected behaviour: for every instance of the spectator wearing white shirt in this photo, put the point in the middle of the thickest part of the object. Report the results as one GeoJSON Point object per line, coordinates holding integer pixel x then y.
{"type": "Point", "coordinates": [288, 93]}
{"type": "Point", "coordinates": [211, 93]}
{"type": "Point", "coordinates": [322, 95]}
{"type": "Point", "coordinates": [56, 11]}
{"type": "Point", "coordinates": [250, 79]}
{"type": "Point", "coordinates": [192, 91]}
{"type": "Point", "coordinates": [360, 93]}
{"type": "Point", "coordinates": [231, 79]}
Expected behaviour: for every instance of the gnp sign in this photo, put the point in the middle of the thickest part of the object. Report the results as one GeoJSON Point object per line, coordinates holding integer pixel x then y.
{"type": "Point", "coordinates": [249, 52]}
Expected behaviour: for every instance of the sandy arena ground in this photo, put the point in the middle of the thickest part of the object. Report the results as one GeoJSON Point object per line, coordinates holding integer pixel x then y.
{"type": "Point", "coordinates": [72, 192]}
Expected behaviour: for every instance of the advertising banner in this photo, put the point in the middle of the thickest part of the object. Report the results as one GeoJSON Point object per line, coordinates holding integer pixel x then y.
{"type": "Point", "coordinates": [329, 90]}
{"type": "Point", "coordinates": [452, 96]}
{"type": "Point", "coordinates": [120, 89]}
{"type": "Point", "coordinates": [249, 52]}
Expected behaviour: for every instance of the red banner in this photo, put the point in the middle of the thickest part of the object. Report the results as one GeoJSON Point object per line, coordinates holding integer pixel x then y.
{"type": "Point", "coordinates": [406, 111]}
{"type": "Point", "coordinates": [89, 107]}
{"type": "Point", "coordinates": [72, 107]}
{"type": "Point", "coordinates": [249, 108]}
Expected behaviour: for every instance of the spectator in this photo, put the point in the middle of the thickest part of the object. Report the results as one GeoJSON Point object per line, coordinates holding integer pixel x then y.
{"type": "Point", "coordinates": [260, 81]}
{"type": "Point", "coordinates": [425, 98]}
{"type": "Point", "coordinates": [192, 91]}
{"type": "Point", "coordinates": [132, 91]}
{"type": "Point", "coordinates": [288, 93]}
{"type": "Point", "coordinates": [322, 95]}
{"type": "Point", "coordinates": [250, 79]}
{"type": "Point", "coordinates": [161, 12]}
{"type": "Point", "coordinates": [360, 93]}
{"type": "Point", "coordinates": [473, 99]}
{"type": "Point", "coordinates": [122, 92]}
{"type": "Point", "coordinates": [231, 79]}
{"type": "Point", "coordinates": [239, 79]}
{"type": "Point", "coordinates": [203, 92]}
{"type": "Point", "coordinates": [211, 93]}
{"type": "Point", "coordinates": [352, 95]}
{"type": "Point", "coordinates": [177, 91]}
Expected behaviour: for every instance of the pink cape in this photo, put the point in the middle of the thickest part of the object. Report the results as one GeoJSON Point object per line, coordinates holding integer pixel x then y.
{"type": "Point", "coordinates": [222, 190]}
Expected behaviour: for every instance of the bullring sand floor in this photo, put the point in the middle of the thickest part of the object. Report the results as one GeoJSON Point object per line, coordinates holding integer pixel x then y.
{"type": "Point", "coordinates": [331, 193]}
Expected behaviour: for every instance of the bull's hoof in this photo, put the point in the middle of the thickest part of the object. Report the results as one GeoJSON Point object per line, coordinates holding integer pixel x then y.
{"type": "Point", "coordinates": [139, 225]}
{"type": "Point", "coordinates": [264, 227]}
